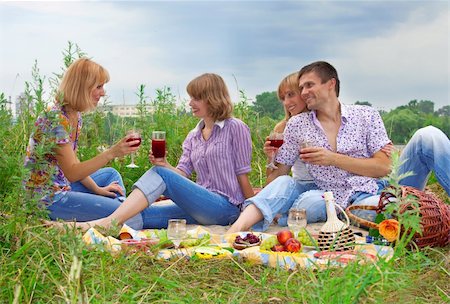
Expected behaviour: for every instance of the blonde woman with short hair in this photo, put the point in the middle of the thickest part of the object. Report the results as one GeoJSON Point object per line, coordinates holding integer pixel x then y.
{"type": "Point", "coordinates": [74, 190]}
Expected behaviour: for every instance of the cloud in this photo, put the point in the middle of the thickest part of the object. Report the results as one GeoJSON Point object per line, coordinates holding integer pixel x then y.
{"type": "Point", "coordinates": [386, 52]}
{"type": "Point", "coordinates": [407, 63]}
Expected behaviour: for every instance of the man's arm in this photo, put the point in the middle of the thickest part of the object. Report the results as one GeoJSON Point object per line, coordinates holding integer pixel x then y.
{"type": "Point", "coordinates": [378, 165]}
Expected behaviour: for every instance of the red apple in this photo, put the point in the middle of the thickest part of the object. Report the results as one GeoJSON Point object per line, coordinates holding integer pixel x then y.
{"type": "Point", "coordinates": [278, 248]}
{"type": "Point", "coordinates": [283, 236]}
{"type": "Point", "coordinates": [293, 245]}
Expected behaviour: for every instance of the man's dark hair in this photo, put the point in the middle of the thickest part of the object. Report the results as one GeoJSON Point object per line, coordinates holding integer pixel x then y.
{"type": "Point", "coordinates": [324, 70]}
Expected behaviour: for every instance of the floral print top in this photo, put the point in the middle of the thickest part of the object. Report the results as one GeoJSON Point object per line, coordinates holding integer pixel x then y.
{"type": "Point", "coordinates": [361, 134]}
{"type": "Point", "coordinates": [51, 128]}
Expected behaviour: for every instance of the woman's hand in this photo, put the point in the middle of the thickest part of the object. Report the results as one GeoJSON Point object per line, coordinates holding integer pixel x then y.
{"type": "Point", "coordinates": [268, 149]}
{"type": "Point", "coordinates": [111, 190]}
{"type": "Point", "coordinates": [161, 161]}
{"type": "Point", "coordinates": [123, 147]}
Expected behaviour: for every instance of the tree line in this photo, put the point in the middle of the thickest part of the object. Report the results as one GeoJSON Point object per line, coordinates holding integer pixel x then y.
{"type": "Point", "coordinates": [400, 122]}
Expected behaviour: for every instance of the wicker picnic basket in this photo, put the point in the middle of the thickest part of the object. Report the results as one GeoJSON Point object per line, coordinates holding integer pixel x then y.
{"type": "Point", "coordinates": [434, 216]}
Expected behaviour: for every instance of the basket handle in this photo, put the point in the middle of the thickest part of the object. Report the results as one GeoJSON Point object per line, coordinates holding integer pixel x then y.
{"type": "Point", "coordinates": [358, 219]}
{"type": "Point", "coordinates": [345, 214]}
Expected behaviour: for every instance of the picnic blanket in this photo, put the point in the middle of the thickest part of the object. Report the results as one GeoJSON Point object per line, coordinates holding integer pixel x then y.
{"type": "Point", "coordinates": [220, 246]}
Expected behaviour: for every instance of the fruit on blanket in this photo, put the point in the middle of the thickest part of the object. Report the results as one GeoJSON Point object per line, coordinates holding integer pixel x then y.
{"type": "Point", "coordinates": [284, 235]}
{"type": "Point", "coordinates": [204, 240]}
{"type": "Point", "coordinates": [125, 236]}
{"type": "Point", "coordinates": [278, 248]}
{"type": "Point", "coordinates": [268, 243]}
{"type": "Point", "coordinates": [249, 240]}
{"type": "Point", "coordinates": [293, 245]}
{"type": "Point", "coordinates": [305, 238]}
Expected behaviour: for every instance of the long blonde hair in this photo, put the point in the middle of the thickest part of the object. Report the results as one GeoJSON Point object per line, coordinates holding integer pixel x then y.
{"type": "Point", "coordinates": [290, 83]}
{"type": "Point", "coordinates": [82, 76]}
{"type": "Point", "coordinates": [212, 89]}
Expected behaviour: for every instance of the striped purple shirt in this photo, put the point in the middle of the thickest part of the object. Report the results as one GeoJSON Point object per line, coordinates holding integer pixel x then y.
{"type": "Point", "coordinates": [362, 133]}
{"type": "Point", "coordinates": [220, 159]}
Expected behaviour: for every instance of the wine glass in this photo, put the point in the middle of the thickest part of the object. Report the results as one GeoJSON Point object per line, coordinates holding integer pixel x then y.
{"type": "Point", "coordinates": [296, 220]}
{"type": "Point", "coordinates": [276, 140]}
{"type": "Point", "coordinates": [176, 231]}
{"type": "Point", "coordinates": [306, 144]}
{"type": "Point", "coordinates": [159, 144]}
{"type": "Point", "coordinates": [135, 135]}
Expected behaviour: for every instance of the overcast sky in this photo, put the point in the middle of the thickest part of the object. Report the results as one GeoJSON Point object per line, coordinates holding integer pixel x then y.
{"type": "Point", "coordinates": [386, 52]}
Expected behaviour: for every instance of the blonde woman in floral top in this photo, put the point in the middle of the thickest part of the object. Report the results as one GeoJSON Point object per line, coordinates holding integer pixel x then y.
{"type": "Point", "coordinates": [70, 189]}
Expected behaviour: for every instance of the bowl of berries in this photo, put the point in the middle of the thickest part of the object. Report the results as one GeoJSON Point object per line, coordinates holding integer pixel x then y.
{"type": "Point", "coordinates": [246, 241]}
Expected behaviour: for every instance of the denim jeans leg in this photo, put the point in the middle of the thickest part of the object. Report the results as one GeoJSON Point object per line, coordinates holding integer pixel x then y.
{"type": "Point", "coordinates": [102, 177]}
{"type": "Point", "coordinates": [428, 150]}
{"type": "Point", "coordinates": [151, 184]}
{"type": "Point", "coordinates": [277, 197]}
{"type": "Point", "coordinates": [314, 204]}
{"type": "Point", "coordinates": [305, 186]}
{"type": "Point", "coordinates": [157, 216]}
{"type": "Point", "coordinates": [82, 207]}
{"type": "Point", "coordinates": [191, 201]}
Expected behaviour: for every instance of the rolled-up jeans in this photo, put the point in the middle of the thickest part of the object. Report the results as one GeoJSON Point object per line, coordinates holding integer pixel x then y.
{"type": "Point", "coordinates": [277, 198]}
{"type": "Point", "coordinates": [190, 201]}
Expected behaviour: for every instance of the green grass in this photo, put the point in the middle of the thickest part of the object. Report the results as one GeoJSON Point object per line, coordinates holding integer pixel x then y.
{"type": "Point", "coordinates": [42, 265]}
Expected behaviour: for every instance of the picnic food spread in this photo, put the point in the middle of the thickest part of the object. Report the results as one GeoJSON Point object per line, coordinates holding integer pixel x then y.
{"type": "Point", "coordinates": [260, 248]}
{"type": "Point", "coordinates": [249, 240]}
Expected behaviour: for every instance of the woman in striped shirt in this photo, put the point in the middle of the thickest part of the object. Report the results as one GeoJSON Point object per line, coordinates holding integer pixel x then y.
{"type": "Point", "coordinates": [218, 150]}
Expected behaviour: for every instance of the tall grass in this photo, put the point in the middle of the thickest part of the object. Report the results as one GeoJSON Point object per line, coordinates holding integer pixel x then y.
{"type": "Point", "coordinates": [42, 265]}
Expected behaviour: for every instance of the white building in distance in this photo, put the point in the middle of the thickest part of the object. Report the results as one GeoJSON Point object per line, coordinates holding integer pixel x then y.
{"type": "Point", "coordinates": [124, 110]}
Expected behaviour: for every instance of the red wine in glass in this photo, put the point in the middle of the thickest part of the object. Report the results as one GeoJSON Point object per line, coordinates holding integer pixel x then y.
{"type": "Point", "coordinates": [158, 148]}
{"type": "Point", "coordinates": [135, 135]}
{"type": "Point", "coordinates": [276, 142]}
{"type": "Point", "coordinates": [133, 139]}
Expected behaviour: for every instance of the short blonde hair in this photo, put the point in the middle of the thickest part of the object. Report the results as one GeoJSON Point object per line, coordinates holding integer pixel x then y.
{"type": "Point", "coordinates": [212, 89]}
{"type": "Point", "coordinates": [289, 82]}
{"type": "Point", "coordinates": [82, 76]}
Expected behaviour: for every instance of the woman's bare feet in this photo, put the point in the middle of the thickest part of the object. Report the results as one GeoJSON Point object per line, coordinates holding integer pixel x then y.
{"type": "Point", "coordinates": [83, 226]}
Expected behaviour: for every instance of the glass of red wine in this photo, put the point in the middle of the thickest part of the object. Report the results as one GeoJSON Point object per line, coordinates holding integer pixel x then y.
{"type": "Point", "coordinates": [276, 140]}
{"type": "Point", "coordinates": [135, 135]}
{"type": "Point", "coordinates": [159, 144]}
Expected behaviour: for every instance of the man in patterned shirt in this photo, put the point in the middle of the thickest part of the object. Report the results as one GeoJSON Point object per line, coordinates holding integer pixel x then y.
{"type": "Point", "coordinates": [344, 153]}
{"type": "Point", "coordinates": [345, 141]}
{"type": "Point", "coordinates": [344, 148]}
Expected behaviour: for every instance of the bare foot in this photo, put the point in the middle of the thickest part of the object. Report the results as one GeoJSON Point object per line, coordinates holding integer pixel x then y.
{"type": "Point", "coordinates": [63, 226]}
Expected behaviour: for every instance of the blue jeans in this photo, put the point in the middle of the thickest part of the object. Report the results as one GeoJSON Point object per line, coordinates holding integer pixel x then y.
{"type": "Point", "coordinates": [428, 150]}
{"type": "Point", "coordinates": [81, 205]}
{"type": "Point", "coordinates": [277, 198]}
{"type": "Point", "coordinates": [315, 206]}
{"type": "Point", "coordinates": [192, 202]}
